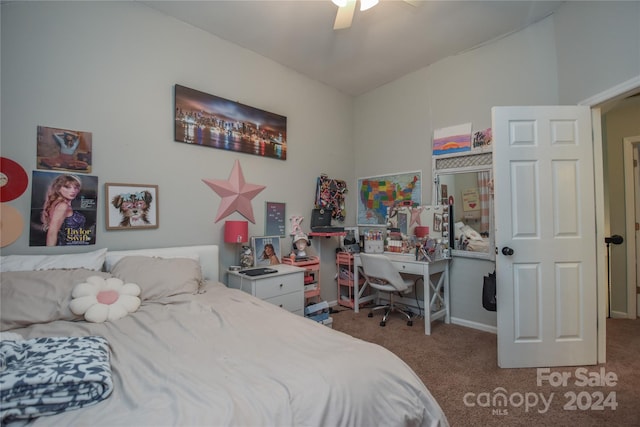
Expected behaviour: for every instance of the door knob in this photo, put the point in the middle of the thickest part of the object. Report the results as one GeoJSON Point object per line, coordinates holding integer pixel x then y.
{"type": "Point", "coordinates": [507, 251]}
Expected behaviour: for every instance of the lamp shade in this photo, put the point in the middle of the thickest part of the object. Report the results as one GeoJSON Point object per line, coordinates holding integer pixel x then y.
{"type": "Point", "coordinates": [367, 4]}
{"type": "Point", "coordinates": [421, 231]}
{"type": "Point", "coordinates": [236, 231]}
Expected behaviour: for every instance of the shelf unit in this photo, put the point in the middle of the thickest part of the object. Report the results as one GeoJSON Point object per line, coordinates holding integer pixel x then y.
{"type": "Point", "coordinates": [346, 273]}
{"type": "Point", "coordinates": [311, 276]}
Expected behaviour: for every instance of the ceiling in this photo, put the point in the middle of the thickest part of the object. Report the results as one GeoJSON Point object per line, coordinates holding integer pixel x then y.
{"type": "Point", "coordinates": [384, 43]}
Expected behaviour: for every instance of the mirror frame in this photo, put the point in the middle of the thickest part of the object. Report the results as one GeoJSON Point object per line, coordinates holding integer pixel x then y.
{"type": "Point", "coordinates": [467, 162]}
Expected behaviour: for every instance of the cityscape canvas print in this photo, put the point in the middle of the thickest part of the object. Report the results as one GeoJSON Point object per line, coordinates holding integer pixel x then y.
{"type": "Point", "coordinates": [211, 121]}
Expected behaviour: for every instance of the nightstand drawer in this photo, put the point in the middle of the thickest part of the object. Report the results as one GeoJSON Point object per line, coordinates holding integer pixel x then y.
{"type": "Point", "coordinates": [284, 288]}
{"type": "Point", "coordinates": [291, 302]}
{"type": "Point", "coordinates": [278, 285]}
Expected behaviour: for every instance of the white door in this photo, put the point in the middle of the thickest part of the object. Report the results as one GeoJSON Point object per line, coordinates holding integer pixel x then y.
{"type": "Point", "coordinates": [545, 236]}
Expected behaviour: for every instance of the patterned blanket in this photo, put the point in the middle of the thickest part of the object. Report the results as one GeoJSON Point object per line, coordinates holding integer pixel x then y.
{"type": "Point", "coordinates": [46, 376]}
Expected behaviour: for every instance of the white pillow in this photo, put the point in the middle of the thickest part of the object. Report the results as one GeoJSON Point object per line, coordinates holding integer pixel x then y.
{"type": "Point", "coordinates": [113, 257]}
{"type": "Point", "coordinates": [160, 277]}
{"type": "Point", "coordinates": [89, 260]}
{"type": "Point", "coordinates": [470, 233]}
{"type": "Point", "coordinates": [99, 299]}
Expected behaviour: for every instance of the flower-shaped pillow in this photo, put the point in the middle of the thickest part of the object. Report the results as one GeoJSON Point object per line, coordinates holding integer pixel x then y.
{"type": "Point", "coordinates": [100, 299]}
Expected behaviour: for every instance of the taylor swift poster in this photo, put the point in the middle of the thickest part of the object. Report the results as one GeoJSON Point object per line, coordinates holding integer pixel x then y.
{"type": "Point", "coordinates": [63, 209]}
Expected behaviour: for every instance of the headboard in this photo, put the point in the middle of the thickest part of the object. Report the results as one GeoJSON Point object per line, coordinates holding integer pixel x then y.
{"type": "Point", "coordinates": [208, 255]}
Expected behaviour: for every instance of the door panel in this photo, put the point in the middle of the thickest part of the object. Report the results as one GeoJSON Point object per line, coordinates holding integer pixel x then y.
{"type": "Point", "coordinates": [525, 193]}
{"type": "Point", "coordinates": [527, 297]}
{"type": "Point", "coordinates": [565, 201]}
{"type": "Point", "coordinates": [568, 290]}
{"type": "Point", "coordinates": [545, 212]}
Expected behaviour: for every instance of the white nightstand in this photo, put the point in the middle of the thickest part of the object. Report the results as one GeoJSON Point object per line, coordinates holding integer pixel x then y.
{"type": "Point", "coordinates": [284, 288]}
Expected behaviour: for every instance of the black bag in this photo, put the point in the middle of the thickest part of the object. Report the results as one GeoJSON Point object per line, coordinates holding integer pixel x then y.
{"type": "Point", "coordinates": [489, 292]}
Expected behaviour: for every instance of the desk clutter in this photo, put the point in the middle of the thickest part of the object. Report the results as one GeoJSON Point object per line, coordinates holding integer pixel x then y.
{"type": "Point", "coordinates": [421, 232]}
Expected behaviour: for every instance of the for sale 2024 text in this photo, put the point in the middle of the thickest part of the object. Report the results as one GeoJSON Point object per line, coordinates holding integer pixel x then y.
{"type": "Point", "coordinates": [582, 377]}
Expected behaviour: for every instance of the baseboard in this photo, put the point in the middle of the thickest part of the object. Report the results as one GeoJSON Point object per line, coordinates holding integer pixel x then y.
{"type": "Point", "coordinates": [474, 325]}
{"type": "Point", "coordinates": [619, 315]}
{"type": "Point", "coordinates": [454, 320]}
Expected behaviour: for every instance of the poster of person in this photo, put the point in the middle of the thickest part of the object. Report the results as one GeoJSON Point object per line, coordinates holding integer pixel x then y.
{"type": "Point", "coordinates": [64, 150]}
{"type": "Point", "coordinates": [63, 209]}
{"type": "Point", "coordinates": [266, 250]}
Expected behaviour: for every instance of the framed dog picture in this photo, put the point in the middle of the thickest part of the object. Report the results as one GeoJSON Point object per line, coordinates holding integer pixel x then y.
{"type": "Point", "coordinates": [131, 206]}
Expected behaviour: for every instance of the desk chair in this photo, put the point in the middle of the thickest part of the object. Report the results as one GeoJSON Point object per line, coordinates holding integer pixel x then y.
{"type": "Point", "coordinates": [383, 276]}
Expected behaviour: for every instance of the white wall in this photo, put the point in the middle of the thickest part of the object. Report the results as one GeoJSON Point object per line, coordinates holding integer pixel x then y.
{"type": "Point", "coordinates": [582, 50]}
{"type": "Point", "coordinates": [109, 68]}
{"type": "Point", "coordinates": [394, 124]}
{"type": "Point", "coordinates": [598, 45]}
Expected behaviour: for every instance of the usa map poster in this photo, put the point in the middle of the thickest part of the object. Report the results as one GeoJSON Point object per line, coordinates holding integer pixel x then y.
{"type": "Point", "coordinates": [377, 193]}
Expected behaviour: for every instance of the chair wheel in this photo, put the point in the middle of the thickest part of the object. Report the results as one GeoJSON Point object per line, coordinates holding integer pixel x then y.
{"type": "Point", "coordinates": [410, 323]}
{"type": "Point", "coordinates": [382, 323]}
{"type": "Point", "coordinates": [370, 315]}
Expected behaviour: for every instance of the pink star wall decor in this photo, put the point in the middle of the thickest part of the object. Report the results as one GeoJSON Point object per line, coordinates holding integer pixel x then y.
{"type": "Point", "coordinates": [236, 194]}
{"type": "Point", "coordinates": [415, 216]}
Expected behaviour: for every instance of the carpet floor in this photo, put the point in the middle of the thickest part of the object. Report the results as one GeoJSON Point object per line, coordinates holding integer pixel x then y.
{"type": "Point", "coordinates": [459, 367]}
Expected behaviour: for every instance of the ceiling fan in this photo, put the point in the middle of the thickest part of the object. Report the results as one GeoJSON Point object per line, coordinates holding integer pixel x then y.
{"type": "Point", "coordinates": [346, 8]}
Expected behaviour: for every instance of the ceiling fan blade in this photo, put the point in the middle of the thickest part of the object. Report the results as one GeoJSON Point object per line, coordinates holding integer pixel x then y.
{"type": "Point", "coordinates": [345, 15]}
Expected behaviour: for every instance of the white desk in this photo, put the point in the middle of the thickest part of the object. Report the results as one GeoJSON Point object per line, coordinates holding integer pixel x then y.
{"type": "Point", "coordinates": [435, 305]}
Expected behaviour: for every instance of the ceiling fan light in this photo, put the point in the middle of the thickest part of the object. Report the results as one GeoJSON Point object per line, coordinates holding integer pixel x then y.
{"type": "Point", "coordinates": [339, 3]}
{"type": "Point", "coordinates": [367, 4]}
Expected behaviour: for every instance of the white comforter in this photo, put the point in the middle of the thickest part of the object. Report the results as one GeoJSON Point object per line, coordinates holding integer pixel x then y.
{"type": "Point", "coordinates": [224, 358]}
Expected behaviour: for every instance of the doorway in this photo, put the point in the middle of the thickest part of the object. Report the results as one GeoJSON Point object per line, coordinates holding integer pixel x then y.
{"type": "Point", "coordinates": [601, 104]}
{"type": "Point", "coordinates": [632, 213]}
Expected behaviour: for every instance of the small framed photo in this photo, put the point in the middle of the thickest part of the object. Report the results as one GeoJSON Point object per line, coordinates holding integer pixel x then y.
{"type": "Point", "coordinates": [131, 206]}
{"type": "Point", "coordinates": [437, 222]}
{"type": "Point", "coordinates": [266, 250]}
{"type": "Point", "coordinates": [351, 240]}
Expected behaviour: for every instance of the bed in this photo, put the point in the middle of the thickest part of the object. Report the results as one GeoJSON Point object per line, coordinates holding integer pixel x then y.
{"type": "Point", "coordinates": [196, 353]}
{"type": "Point", "coordinates": [468, 239]}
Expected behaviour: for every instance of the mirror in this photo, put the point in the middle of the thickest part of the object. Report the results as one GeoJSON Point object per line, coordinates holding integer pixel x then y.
{"type": "Point", "coordinates": [465, 183]}
{"type": "Point", "coordinates": [422, 231]}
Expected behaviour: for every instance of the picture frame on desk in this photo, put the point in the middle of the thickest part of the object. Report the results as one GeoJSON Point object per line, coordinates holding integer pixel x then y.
{"type": "Point", "coordinates": [351, 233]}
{"type": "Point", "coordinates": [266, 250]}
{"type": "Point", "coordinates": [350, 242]}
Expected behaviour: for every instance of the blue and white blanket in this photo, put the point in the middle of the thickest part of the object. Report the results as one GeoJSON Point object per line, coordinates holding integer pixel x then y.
{"type": "Point", "coordinates": [46, 376]}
